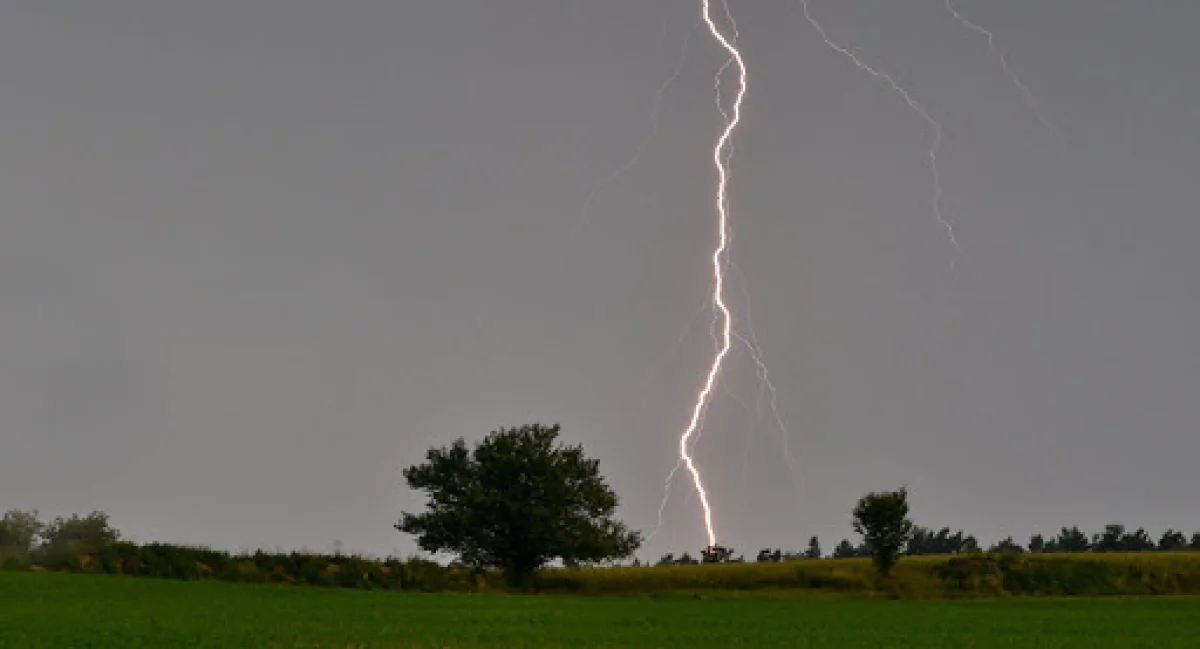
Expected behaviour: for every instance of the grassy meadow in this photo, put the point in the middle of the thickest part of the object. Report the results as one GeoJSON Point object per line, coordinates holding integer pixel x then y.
{"type": "Point", "coordinates": [923, 577]}
{"type": "Point", "coordinates": [919, 577]}
{"type": "Point", "coordinates": [64, 610]}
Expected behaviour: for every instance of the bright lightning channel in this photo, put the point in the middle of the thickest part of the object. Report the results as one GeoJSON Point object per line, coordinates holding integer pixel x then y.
{"type": "Point", "coordinates": [722, 155]}
{"type": "Point", "coordinates": [718, 270]}
{"type": "Point", "coordinates": [913, 104]}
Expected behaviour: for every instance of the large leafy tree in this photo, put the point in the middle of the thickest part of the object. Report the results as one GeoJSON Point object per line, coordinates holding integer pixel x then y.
{"type": "Point", "coordinates": [882, 520]}
{"type": "Point", "coordinates": [515, 502]}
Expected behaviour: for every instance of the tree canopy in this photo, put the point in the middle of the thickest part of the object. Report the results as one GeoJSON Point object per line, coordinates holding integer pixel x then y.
{"type": "Point", "coordinates": [925, 541]}
{"type": "Point", "coordinates": [65, 537]}
{"type": "Point", "coordinates": [882, 520]}
{"type": "Point", "coordinates": [19, 532]}
{"type": "Point", "coordinates": [814, 548]}
{"type": "Point", "coordinates": [516, 501]}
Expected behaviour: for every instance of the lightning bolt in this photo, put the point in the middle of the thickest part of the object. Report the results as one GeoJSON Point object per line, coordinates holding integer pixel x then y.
{"type": "Point", "coordinates": [718, 295]}
{"type": "Point", "coordinates": [767, 393]}
{"type": "Point", "coordinates": [679, 463]}
{"type": "Point", "coordinates": [1026, 94]}
{"type": "Point", "coordinates": [913, 104]}
{"type": "Point", "coordinates": [722, 329]}
{"type": "Point", "coordinates": [697, 426]}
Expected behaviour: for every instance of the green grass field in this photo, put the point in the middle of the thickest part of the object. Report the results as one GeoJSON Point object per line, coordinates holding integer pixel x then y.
{"type": "Point", "coordinates": [926, 577]}
{"type": "Point", "coordinates": [59, 611]}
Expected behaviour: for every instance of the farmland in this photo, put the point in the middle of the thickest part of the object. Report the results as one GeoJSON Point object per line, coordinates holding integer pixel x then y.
{"type": "Point", "coordinates": [62, 610]}
{"type": "Point", "coordinates": [923, 577]}
{"type": "Point", "coordinates": [928, 577]}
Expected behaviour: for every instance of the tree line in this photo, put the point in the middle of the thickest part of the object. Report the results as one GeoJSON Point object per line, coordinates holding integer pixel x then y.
{"type": "Point", "coordinates": [888, 534]}
{"type": "Point", "coordinates": [26, 540]}
{"type": "Point", "coordinates": [926, 541]}
{"type": "Point", "coordinates": [520, 499]}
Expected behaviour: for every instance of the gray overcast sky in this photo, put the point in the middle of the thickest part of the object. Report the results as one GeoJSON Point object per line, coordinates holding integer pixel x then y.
{"type": "Point", "coordinates": [257, 256]}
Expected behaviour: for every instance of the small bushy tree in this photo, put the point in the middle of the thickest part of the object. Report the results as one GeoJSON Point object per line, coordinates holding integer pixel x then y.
{"type": "Point", "coordinates": [1110, 540]}
{"type": "Point", "coordinates": [64, 539]}
{"type": "Point", "coordinates": [1137, 541]}
{"type": "Point", "coordinates": [814, 549]}
{"type": "Point", "coordinates": [767, 555]}
{"type": "Point", "coordinates": [716, 554]}
{"type": "Point", "coordinates": [925, 541]}
{"type": "Point", "coordinates": [1069, 539]}
{"type": "Point", "coordinates": [1006, 546]}
{"type": "Point", "coordinates": [845, 550]}
{"type": "Point", "coordinates": [19, 531]}
{"type": "Point", "coordinates": [970, 544]}
{"type": "Point", "coordinates": [1037, 543]}
{"type": "Point", "coordinates": [1171, 541]}
{"type": "Point", "coordinates": [1116, 539]}
{"type": "Point", "coordinates": [882, 519]}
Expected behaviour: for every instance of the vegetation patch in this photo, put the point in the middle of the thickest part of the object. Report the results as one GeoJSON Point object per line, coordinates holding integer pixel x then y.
{"type": "Point", "coordinates": [57, 610]}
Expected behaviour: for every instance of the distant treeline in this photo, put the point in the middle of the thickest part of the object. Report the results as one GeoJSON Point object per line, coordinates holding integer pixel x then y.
{"type": "Point", "coordinates": [925, 542]}
{"type": "Point", "coordinates": [88, 544]}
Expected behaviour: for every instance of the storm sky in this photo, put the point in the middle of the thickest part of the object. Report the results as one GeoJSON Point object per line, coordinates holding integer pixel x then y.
{"type": "Point", "coordinates": [257, 256]}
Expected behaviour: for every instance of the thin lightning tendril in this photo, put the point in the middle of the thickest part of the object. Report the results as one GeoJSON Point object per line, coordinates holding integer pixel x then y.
{"type": "Point", "coordinates": [674, 347]}
{"type": "Point", "coordinates": [655, 107]}
{"type": "Point", "coordinates": [912, 104]}
{"type": "Point", "coordinates": [751, 343]}
{"type": "Point", "coordinates": [732, 22]}
{"type": "Point", "coordinates": [755, 349]}
{"type": "Point", "coordinates": [718, 271]}
{"type": "Point", "coordinates": [1026, 94]}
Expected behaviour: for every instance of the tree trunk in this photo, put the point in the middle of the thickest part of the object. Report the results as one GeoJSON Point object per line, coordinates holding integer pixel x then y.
{"type": "Point", "coordinates": [519, 575]}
